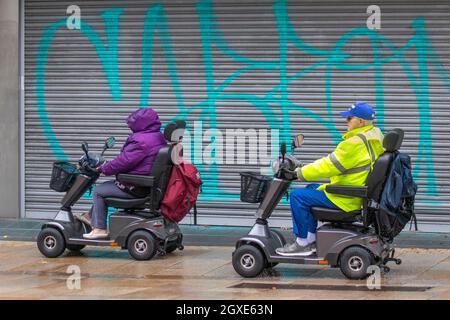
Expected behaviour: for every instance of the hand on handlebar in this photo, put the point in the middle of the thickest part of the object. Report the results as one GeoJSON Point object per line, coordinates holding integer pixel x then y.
{"type": "Point", "coordinates": [298, 163]}
{"type": "Point", "coordinates": [287, 174]}
{"type": "Point", "coordinates": [85, 165]}
{"type": "Point", "coordinates": [91, 169]}
{"type": "Point", "coordinates": [93, 160]}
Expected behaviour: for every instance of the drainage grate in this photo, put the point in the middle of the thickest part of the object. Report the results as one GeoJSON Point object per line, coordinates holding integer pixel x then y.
{"type": "Point", "coordinates": [255, 285]}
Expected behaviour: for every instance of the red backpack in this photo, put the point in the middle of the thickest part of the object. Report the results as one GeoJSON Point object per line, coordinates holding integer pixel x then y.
{"type": "Point", "coordinates": [182, 191]}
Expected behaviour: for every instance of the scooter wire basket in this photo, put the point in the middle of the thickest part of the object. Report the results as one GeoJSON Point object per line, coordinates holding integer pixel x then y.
{"type": "Point", "coordinates": [63, 176]}
{"type": "Point", "coordinates": [253, 186]}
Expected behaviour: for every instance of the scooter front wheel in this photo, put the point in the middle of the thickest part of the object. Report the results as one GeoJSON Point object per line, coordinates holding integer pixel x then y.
{"type": "Point", "coordinates": [248, 261]}
{"type": "Point", "coordinates": [51, 242]}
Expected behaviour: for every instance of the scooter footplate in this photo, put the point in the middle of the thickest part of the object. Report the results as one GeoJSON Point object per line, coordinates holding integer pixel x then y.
{"type": "Point", "coordinates": [311, 259]}
{"type": "Point", "coordinates": [87, 242]}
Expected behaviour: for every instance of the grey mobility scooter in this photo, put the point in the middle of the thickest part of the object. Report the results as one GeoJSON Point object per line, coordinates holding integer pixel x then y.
{"type": "Point", "coordinates": [136, 225]}
{"type": "Point", "coordinates": [348, 240]}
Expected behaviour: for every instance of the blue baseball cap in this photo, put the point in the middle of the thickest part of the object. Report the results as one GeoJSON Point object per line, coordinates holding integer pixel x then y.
{"type": "Point", "coordinates": [361, 110]}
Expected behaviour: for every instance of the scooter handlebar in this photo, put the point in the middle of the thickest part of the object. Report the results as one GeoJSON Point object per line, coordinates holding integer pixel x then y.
{"type": "Point", "coordinates": [287, 174]}
{"type": "Point", "coordinates": [93, 160]}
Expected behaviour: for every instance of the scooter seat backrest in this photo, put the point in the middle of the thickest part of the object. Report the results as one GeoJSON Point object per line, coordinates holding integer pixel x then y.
{"type": "Point", "coordinates": [162, 167]}
{"type": "Point", "coordinates": [377, 178]}
{"type": "Point", "coordinates": [174, 131]}
{"type": "Point", "coordinates": [166, 158]}
{"type": "Point", "coordinates": [393, 140]}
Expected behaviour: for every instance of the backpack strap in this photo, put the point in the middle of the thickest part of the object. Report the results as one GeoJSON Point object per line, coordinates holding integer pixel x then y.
{"type": "Point", "coordinates": [369, 149]}
{"type": "Point", "coordinates": [413, 220]}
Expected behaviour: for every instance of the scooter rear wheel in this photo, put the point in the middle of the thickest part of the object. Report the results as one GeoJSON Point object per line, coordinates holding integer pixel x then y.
{"type": "Point", "coordinates": [141, 245]}
{"type": "Point", "coordinates": [248, 261]}
{"type": "Point", "coordinates": [51, 242]}
{"type": "Point", "coordinates": [354, 262]}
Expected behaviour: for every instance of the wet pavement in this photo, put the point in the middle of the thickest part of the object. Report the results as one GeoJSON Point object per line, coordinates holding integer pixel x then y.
{"type": "Point", "coordinates": [205, 272]}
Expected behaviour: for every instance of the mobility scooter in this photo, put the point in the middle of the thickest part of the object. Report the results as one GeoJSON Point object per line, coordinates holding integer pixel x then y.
{"type": "Point", "coordinates": [136, 225]}
{"type": "Point", "coordinates": [348, 240]}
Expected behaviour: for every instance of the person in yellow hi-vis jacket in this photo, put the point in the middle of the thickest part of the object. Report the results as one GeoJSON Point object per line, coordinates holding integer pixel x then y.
{"type": "Point", "coordinates": [349, 164]}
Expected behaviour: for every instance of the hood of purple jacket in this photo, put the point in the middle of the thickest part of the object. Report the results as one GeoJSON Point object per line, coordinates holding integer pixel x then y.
{"type": "Point", "coordinates": [140, 149]}
{"type": "Point", "coordinates": [144, 119]}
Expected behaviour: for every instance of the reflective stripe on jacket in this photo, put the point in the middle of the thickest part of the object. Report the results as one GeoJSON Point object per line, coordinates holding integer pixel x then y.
{"type": "Point", "coordinates": [349, 164]}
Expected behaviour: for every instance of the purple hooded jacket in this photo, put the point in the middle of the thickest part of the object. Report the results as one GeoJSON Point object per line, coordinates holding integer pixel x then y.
{"type": "Point", "coordinates": [139, 151]}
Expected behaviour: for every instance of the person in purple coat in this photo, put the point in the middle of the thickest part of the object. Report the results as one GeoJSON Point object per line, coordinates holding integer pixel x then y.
{"type": "Point", "coordinates": [136, 157]}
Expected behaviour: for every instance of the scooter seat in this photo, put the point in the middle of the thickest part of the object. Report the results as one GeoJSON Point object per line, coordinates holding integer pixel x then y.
{"type": "Point", "coordinates": [334, 215]}
{"type": "Point", "coordinates": [120, 203]}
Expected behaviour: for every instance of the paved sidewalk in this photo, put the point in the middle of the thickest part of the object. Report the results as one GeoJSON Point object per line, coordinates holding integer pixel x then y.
{"type": "Point", "coordinates": [27, 230]}
{"type": "Point", "coordinates": [205, 272]}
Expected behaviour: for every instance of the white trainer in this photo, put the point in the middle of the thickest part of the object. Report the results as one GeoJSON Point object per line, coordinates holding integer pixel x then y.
{"type": "Point", "coordinates": [96, 235]}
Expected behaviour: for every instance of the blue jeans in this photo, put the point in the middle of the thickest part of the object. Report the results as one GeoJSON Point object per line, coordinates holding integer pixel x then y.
{"type": "Point", "coordinates": [99, 209]}
{"type": "Point", "coordinates": [301, 202]}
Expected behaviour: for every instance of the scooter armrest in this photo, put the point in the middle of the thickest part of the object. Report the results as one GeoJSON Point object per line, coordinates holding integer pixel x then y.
{"type": "Point", "coordinates": [136, 180]}
{"type": "Point", "coordinates": [360, 192]}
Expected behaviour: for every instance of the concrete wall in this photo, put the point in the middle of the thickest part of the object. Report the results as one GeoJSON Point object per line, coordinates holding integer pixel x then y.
{"type": "Point", "coordinates": [9, 109]}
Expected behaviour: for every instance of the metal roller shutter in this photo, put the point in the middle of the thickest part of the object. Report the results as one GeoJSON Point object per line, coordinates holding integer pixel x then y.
{"type": "Point", "coordinates": [249, 65]}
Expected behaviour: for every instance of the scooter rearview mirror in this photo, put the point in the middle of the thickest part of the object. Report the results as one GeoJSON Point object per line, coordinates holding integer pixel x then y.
{"type": "Point", "coordinates": [283, 150]}
{"type": "Point", "coordinates": [110, 142]}
{"type": "Point", "coordinates": [298, 141]}
{"type": "Point", "coordinates": [85, 147]}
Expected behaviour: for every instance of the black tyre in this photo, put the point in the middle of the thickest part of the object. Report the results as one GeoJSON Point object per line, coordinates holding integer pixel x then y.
{"type": "Point", "coordinates": [141, 245]}
{"type": "Point", "coordinates": [51, 242]}
{"type": "Point", "coordinates": [248, 261]}
{"type": "Point", "coordinates": [75, 247]}
{"type": "Point", "coordinates": [354, 262]}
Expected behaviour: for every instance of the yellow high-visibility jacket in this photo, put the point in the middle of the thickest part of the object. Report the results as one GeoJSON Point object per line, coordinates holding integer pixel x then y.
{"type": "Point", "coordinates": [348, 165]}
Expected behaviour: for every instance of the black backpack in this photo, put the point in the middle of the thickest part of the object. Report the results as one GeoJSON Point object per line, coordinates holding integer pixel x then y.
{"type": "Point", "coordinates": [397, 200]}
